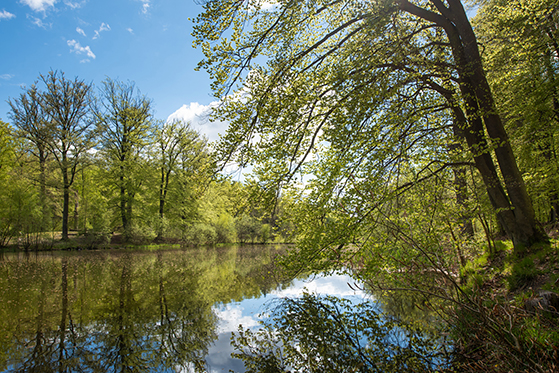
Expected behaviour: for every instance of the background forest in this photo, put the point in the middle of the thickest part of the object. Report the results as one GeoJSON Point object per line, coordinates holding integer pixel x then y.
{"type": "Point", "coordinates": [83, 163]}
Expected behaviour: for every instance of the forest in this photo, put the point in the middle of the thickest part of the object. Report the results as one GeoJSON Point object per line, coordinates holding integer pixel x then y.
{"type": "Point", "coordinates": [408, 142]}
{"type": "Point", "coordinates": [81, 167]}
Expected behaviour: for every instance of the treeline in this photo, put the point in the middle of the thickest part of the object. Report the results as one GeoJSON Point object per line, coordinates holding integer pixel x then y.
{"type": "Point", "coordinates": [97, 162]}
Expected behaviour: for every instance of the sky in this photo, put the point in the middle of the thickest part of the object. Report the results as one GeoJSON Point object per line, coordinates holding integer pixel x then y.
{"type": "Point", "coordinates": [147, 42]}
{"type": "Point", "coordinates": [248, 313]}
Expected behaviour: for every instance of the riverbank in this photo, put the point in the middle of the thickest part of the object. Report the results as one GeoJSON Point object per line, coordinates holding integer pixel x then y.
{"type": "Point", "coordinates": [508, 319]}
{"type": "Point", "coordinates": [96, 241]}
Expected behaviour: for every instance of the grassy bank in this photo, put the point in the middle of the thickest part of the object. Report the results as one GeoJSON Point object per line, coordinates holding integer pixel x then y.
{"type": "Point", "coordinates": [508, 321]}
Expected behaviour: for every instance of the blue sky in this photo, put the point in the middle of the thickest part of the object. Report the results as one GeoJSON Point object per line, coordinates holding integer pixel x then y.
{"type": "Point", "coordinates": [148, 42]}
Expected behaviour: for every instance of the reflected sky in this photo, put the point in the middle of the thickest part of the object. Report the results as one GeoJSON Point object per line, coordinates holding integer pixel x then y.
{"type": "Point", "coordinates": [248, 313]}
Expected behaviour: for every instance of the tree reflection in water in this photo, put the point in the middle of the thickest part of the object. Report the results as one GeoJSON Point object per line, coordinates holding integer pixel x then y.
{"type": "Point", "coordinates": [101, 313]}
{"type": "Point", "coordinates": [328, 334]}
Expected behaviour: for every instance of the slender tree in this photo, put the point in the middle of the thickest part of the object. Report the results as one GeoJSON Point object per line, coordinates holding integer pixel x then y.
{"type": "Point", "coordinates": [125, 126]}
{"type": "Point", "coordinates": [174, 140]}
{"type": "Point", "coordinates": [58, 122]}
{"type": "Point", "coordinates": [28, 117]}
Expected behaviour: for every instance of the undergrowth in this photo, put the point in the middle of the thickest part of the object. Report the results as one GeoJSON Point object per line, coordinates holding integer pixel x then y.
{"type": "Point", "coordinates": [493, 330]}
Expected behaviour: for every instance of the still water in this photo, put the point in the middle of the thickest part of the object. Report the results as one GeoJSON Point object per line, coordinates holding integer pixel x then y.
{"type": "Point", "coordinates": [140, 311]}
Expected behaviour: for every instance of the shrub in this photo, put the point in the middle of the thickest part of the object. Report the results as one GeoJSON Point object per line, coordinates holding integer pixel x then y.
{"type": "Point", "coordinates": [225, 229]}
{"type": "Point", "coordinates": [265, 233]}
{"type": "Point", "coordinates": [248, 229]}
{"type": "Point", "coordinates": [139, 234]}
{"type": "Point", "coordinates": [200, 234]}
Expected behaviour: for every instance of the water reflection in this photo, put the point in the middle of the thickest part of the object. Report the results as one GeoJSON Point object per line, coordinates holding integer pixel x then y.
{"type": "Point", "coordinates": [141, 311]}
{"type": "Point", "coordinates": [122, 311]}
{"type": "Point", "coordinates": [318, 333]}
{"type": "Point", "coordinates": [247, 313]}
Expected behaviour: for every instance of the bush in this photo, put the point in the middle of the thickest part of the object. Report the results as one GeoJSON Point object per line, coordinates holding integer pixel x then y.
{"type": "Point", "coordinates": [200, 234]}
{"type": "Point", "coordinates": [95, 239]}
{"type": "Point", "coordinates": [225, 229]}
{"type": "Point", "coordinates": [139, 234]}
{"type": "Point", "coordinates": [500, 337]}
{"type": "Point", "coordinates": [265, 233]}
{"type": "Point", "coordinates": [248, 229]}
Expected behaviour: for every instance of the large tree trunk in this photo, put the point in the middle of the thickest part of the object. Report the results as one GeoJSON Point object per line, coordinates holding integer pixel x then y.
{"type": "Point", "coordinates": [522, 227]}
{"type": "Point", "coordinates": [514, 208]}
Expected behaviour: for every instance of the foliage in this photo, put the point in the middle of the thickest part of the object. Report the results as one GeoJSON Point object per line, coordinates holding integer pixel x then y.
{"type": "Point", "coordinates": [138, 234]}
{"type": "Point", "coordinates": [328, 334]}
{"type": "Point", "coordinates": [200, 234]}
{"type": "Point", "coordinates": [367, 99]}
{"type": "Point", "coordinates": [248, 229]}
{"type": "Point", "coordinates": [225, 229]}
{"type": "Point", "coordinates": [520, 39]}
{"type": "Point", "coordinates": [57, 121]}
{"type": "Point", "coordinates": [124, 120]}
{"type": "Point", "coordinates": [523, 272]}
{"type": "Point", "coordinates": [265, 231]}
{"type": "Point", "coordinates": [499, 337]}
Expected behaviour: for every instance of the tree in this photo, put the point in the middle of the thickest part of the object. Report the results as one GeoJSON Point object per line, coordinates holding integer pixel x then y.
{"type": "Point", "coordinates": [58, 122]}
{"type": "Point", "coordinates": [336, 75]}
{"type": "Point", "coordinates": [523, 34]}
{"type": "Point", "coordinates": [125, 125]}
{"type": "Point", "coordinates": [183, 159]}
{"type": "Point", "coordinates": [7, 160]}
{"type": "Point", "coordinates": [180, 150]}
{"type": "Point", "coordinates": [28, 117]}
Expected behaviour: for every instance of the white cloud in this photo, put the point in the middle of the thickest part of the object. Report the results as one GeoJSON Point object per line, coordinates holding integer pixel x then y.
{"type": "Point", "coordinates": [74, 5]}
{"type": "Point", "coordinates": [6, 76]}
{"type": "Point", "coordinates": [39, 5]}
{"type": "Point", "coordinates": [78, 49]}
{"type": "Point", "coordinates": [80, 31]}
{"type": "Point", "coordinates": [103, 27]}
{"type": "Point", "coordinates": [130, 30]}
{"type": "Point", "coordinates": [198, 117]}
{"type": "Point", "coordinates": [6, 15]}
{"type": "Point", "coordinates": [145, 6]}
{"type": "Point", "coordinates": [269, 5]}
{"type": "Point", "coordinates": [231, 315]}
{"type": "Point", "coordinates": [38, 22]}
{"type": "Point", "coordinates": [335, 284]}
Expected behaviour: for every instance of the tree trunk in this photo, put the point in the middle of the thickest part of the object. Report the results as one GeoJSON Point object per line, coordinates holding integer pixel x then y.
{"type": "Point", "coordinates": [514, 208]}
{"type": "Point", "coordinates": [43, 188]}
{"type": "Point", "coordinates": [162, 193]}
{"type": "Point", "coordinates": [66, 206]}
{"type": "Point", "coordinates": [122, 206]}
{"type": "Point", "coordinates": [76, 209]}
{"type": "Point", "coordinates": [460, 185]}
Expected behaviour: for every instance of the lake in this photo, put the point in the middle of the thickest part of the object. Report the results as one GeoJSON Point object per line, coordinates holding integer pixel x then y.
{"type": "Point", "coordinates": [134, 310]}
